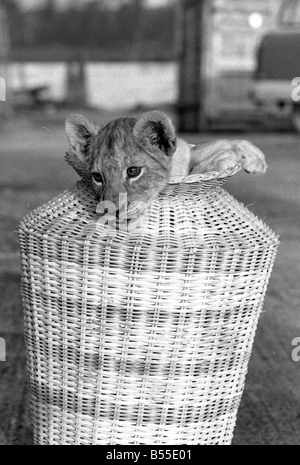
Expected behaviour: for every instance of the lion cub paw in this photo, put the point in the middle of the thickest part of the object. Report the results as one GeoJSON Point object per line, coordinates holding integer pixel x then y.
{"type": "Point", "coordinates": [219, 161]}
{"type": "Point", "coordinates": [223, 155]}
{"type": "Point", "coordinates": [251, 157]}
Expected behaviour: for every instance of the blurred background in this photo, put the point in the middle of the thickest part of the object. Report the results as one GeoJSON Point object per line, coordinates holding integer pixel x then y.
{"type": "Point", "coordinates": [220, 69]}
{"type": "Point", "coordinates": [204, 60]}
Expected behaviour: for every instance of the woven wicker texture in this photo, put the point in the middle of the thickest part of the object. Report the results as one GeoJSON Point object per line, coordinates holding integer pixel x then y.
{"type": "Point", "coordinates": [142, 337]}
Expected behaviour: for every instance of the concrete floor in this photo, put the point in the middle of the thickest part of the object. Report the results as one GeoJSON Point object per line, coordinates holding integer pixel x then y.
{"type": "Point", "coordinates": [33, 171]}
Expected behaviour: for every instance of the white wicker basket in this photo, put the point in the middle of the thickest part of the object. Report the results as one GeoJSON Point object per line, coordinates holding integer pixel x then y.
{"type": "Point", "coordinates": [142, 337]}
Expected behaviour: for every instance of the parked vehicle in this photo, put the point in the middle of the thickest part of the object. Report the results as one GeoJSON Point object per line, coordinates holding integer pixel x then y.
{"type": "Point", "coordinates": [276, 87]}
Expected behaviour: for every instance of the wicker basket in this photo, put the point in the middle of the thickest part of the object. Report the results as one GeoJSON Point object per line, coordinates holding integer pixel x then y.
{"type": "Point", "coordinates": [142, 337]}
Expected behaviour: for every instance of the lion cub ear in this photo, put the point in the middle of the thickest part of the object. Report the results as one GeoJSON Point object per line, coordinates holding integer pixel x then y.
{"type": "Point", "coordinates": [154, 129]}
{"type": "Point", "coordinates": [80, 131]}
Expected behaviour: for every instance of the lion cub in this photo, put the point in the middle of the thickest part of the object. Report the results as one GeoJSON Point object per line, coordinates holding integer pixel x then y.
{"type": "Point", "coordinates": [138, 156]}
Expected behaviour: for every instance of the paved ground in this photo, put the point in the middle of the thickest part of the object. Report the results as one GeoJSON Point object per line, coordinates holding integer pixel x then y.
{"type": "Point", "coordinates": [33, 171]}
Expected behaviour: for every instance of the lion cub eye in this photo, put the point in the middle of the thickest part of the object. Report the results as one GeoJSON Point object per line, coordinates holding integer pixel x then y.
{"type": "Point", "coordinates": [98, 178]}
{"type": "Point", "coordinates": [133, 171]}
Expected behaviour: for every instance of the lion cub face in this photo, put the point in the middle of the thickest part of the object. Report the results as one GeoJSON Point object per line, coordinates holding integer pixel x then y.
{"type": "Point", "coordinates": [127, 156]}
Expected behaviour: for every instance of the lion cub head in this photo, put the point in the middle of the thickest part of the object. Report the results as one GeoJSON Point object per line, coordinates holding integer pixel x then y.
{"type": "Point", "coordinates": [127, 156]}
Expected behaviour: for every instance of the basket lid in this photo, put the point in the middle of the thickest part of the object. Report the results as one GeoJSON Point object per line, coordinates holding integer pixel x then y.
{"type": "Point", "coordinates": [182, 216]}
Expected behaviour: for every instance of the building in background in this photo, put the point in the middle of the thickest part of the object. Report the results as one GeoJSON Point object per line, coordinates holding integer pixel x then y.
{"type": "Point", "coordinates": [4, 50]}
{"type": "Point", "coordinates": [217, 56]}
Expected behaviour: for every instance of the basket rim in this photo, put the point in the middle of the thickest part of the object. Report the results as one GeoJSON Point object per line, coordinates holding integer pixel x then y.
{"type": "Point", "coordinates": [201, 177]}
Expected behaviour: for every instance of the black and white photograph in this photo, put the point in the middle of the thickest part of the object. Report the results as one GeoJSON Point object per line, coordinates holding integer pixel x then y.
{"type": "Point", "coordinates": [150, 225]}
